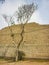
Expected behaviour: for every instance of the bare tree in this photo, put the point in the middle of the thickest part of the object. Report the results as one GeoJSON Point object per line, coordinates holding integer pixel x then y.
{"type": "Point", "coordinates": [9, 21]}
{"type": "Point", "coordinates": [23, 15]}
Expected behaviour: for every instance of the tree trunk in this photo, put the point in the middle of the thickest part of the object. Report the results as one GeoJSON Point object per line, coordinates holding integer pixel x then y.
{"type": "Point", "coordinates": [17, 55]}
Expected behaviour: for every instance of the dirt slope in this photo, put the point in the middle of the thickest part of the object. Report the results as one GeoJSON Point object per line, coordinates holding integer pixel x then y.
{"type": "Point", "coordinates": [25, 63]}
{"type": "Point", "coordinates": [34, 45]}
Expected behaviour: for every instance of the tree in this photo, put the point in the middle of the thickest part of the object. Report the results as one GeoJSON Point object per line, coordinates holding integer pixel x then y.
{"type": "Point", "coordinates": [23, 15]}
{"type": "Point", "coordinates": [9, 21]}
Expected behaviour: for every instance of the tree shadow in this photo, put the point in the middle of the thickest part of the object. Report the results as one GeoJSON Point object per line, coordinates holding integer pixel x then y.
{"type": "Point", "coordinates": [21, 54]}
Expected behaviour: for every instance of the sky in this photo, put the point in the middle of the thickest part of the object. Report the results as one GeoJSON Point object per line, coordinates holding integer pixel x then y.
{"type": "Point", "coordinates": [8, 7]}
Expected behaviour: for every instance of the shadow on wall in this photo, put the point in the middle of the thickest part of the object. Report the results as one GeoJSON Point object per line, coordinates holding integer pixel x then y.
{"type": "Point", "coordinates": [21, 54]}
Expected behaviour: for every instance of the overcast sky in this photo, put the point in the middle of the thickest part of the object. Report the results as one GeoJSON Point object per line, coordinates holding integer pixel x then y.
{"type": "Point", "coordinates": [41, 15]}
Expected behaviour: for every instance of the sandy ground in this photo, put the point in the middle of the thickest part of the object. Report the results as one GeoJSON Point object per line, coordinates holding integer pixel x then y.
{"type": "Point", "coordinates": [24, 63]}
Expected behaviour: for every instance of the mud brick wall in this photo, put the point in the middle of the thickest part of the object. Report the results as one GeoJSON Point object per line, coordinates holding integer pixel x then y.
{"type": "Point", "coordinates": [35, 43]}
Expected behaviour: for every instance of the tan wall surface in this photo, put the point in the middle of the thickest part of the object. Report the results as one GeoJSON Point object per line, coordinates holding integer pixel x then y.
{"type": "Point", "coordinates": [34, 45]}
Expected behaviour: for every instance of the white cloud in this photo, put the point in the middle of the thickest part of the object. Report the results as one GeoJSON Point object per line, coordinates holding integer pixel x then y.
{"type": "Point", "coordinates": [10, 6]}
{"type": "Point", "coordinates": [36, 17]}
{"type": "Point", "coordinates": [42, 14]}
{"type": "Point", "coordinates": [2, 22]}
{"type": "Point", "coordinates": [44, 10]}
